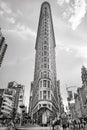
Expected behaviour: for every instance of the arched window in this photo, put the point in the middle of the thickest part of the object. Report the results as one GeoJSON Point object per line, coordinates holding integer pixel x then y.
{"type": "Point", "coordinates": [44, 83]}
{"type": "Point", "coordinates": [45, 74]}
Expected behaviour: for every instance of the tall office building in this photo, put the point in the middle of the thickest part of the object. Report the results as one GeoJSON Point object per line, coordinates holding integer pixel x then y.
{"type": "Point", "coordinates": [8, 102]}
{"type": "Point", "coordinates": [19, 96]}
{"type": "Point", "coordinates": [84, 75]}
{"type": "Point", "coordinates": [44, 100]}
{"type": "Point", "coordinates": [1, 97]}
{"type": "Point", "coordinates": [3, 47]}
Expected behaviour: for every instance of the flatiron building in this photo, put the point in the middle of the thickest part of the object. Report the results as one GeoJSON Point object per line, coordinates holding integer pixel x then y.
{"type": "Point", "coordinates": [44, 100]}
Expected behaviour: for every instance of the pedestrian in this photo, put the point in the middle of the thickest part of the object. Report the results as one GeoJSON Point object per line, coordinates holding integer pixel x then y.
{"type": "Point", "coordinates": [11, 125]}
{"type": "Point", "coordinates": [59, 123]}
{"type": "Point", "coordinates": [76, 124]}
{"type": "Point", "coordinates": [54, 123]}
{"type": "Point", "coordinates": [64, 123]}
{"type": "Point", "coordinates": [82, 124]}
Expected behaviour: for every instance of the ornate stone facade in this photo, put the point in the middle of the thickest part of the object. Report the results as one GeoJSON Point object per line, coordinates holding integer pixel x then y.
{"type": "Point", "coordinates": [44, 89]}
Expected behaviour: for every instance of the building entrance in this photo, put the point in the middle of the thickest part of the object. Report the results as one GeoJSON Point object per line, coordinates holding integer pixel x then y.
{"type": "Point", "coordinates": [44, 117]}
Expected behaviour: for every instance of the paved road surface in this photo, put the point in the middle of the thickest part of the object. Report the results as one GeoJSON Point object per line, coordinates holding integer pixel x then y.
{"type": "Point", "coordinates": [41, 128]}
{"type": "Point", "coordinates": [35, 128]}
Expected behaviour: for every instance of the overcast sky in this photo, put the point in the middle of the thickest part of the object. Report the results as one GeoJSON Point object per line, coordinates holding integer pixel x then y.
{"type": "Point", "coordinates": [19, 23]}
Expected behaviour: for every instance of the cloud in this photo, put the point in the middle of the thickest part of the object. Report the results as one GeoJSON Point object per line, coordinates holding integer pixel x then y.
{"type": "Point", "coordinates": [79, 12]}
{"type": "Point", "coordinates": [20, 29]}
{"type": "Point", "coordinates": [82, 52]}
{"type": "Point", "coordinates": [67, 1]}
{"type": "Point", "coordinates": [61, 2]}
{"type": "Point", "coordinates": [79, 50]}
{"type": "Point", "coordinates": [67, 13]}
{"type": "Point", "coordinates": [16, 62]}
{"type": "Point", "coordinates": [5, 7]}
{"type": "Point", "coordinates": [11, 20]}
{"type": "Point", "coordinates": [19, 12]}
{"type": "Point", "coordinates": [1, 13]}
{"type": "Point", "coordinates": [74, 11]}
{"type": "Point", "coordinates": [61, 46]}
{"type": "Point", "coordinates": [25, 30]}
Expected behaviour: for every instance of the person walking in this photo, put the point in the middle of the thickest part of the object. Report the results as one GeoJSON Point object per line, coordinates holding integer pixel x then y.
{"type": "Point", "coordinates": [64, 123]}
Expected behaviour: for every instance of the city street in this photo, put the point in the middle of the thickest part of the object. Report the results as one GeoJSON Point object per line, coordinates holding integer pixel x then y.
{"type": "Point", "coordinates": [35, 128]}
{"type": "Point", "coordinates": [43, 79]}
{"type": "Point", "coordinates": [43, 128]}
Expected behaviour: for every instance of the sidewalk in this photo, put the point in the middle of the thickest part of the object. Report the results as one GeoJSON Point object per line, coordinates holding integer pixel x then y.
{"type": "Point", "coordinates": [27, 125]}
{"type": "Point", "coordinates": [3, 128]}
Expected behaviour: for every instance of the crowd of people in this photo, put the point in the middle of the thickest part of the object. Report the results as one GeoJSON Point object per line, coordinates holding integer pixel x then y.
{"type": "Point", "coordinates": [58, 123]}
{"type": "Point", "coordinates": [64, 123]}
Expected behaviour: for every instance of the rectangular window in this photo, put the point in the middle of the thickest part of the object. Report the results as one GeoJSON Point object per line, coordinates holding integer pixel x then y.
{"type": "Point", "coordinates": [44, 94]}
{"type": "Point", "coordinates": [41, 66]}
{"type": "Point", "coordinates": [48, 84]}
{"type": "Point", "coordinates": [45, 65]}
{"type": "Point", "coordinates": [48, 66]}
{"type": "Point", "coordinates": [48, 94]}
{"type": "Point", "coordinates": [45, 52]}
{"type": "Point", "coordinates": [42, 60]}
{"type": "Point", "coordinates": [48, 74]}
{"type": "Point", "coordinates": [40, 83]}
{"type": "Point", "coordinates": [45, 41]}
{"type": "Point", "coordinates": [45, 59]}
{"type": "Point", "coordinates": [44, 83]}
{"type": "Point", "coordinates": [40, 94]}
{"type": "Point", "coordinates": [45, 47]}
{"type": "Point", "coordinates": [42, 53]}
{"type": "Point", "coordinates": [41, 74]}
